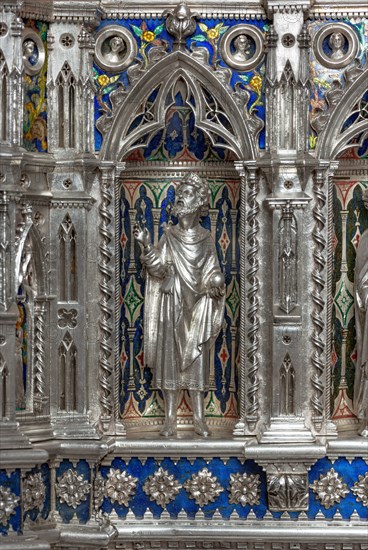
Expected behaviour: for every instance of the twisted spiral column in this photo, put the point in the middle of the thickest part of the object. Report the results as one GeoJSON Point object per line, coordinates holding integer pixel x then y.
{"type": "Point", "coordinates": [39, 394]}
{"type": "Point", "coordinates": [318, 277]}
{"type": "Point", "coordinates": [253, 323]}
{"type": "Point", "coordinates": [106, 286]}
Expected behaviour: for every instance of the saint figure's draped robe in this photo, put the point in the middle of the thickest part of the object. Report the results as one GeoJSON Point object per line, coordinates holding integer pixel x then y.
{"type": "Point", "coordinates": [181, 321]}
{"type": "Point", "coordinates": [361, 325]}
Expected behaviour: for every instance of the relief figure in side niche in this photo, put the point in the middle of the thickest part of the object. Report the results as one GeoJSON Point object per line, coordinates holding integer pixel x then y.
{"type": "Point", "coordinates": [184, 303]}
{"type": "Point", "coordinates": [361, 325]}
{"type": "Point", "coordinates": [19, 384]}
{"type": "Point", "coordinates": [337, 43]}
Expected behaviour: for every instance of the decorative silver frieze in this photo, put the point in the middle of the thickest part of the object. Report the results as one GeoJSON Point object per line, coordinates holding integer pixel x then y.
{"type": "Point", "coordinates": [162, 487]}
{"type": "Point", "coordinates": [115, 48]}
{"type": "Point", "coordinates": [119, 486]}
{"type": "Point", "coordinates": [329, 488]}
{"type": "Point", "coordinates": [72, 488]}
{"type": "Point", "coordinates": [34, 492]}
{"type": "Point", "coordinates": [8, 503]}
{"type": "Point", "coordinates": [203, 487]}
{"type": "Point", "coordinates": [360, 489]}
{"type": "Point", "coordinates": [98, 490]}
{"type": "Point", "coordinates": [245, 489]}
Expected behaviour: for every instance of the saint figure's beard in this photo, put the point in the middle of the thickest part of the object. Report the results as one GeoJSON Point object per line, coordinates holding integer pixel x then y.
{"type": "Point", "coordinates": [180, 210]}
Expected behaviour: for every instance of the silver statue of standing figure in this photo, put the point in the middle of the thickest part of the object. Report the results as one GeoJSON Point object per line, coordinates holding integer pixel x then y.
{"type": "Point", "coordinates": [361, 326]}
{"type": "Point", "coordinates": [184, 304]}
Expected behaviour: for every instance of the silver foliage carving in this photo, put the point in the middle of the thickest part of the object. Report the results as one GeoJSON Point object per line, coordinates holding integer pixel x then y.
{"type": "Point", "coordinates": [162, 487]}
{"type": "Point", "coordinates": [119, 486]}
{"type": "Point", "coordinates": [287, 491]}
{"type": "Point", "coordinates": [203, 487]}
{"type": "Point", "coordinates": [360, 489]}
{"type": "Point", "coordinates": [8, 503]}
{"type": "Point", "coordinates": [72, 488]}
{"type": "Point", "coordinates": [329, 488]}
{"type": "Point", "coordinates": [245, 489]}
{"type": "Point", "coordinates": [34, 492]}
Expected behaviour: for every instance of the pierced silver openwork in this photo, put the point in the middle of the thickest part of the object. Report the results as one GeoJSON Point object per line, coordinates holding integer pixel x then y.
{"type": "Point", "coordinates": [242, 47]}
{"type": "Point", "coordinates": [115, 48]}
{"type": "Point", "coordinates": [335, 45]}
{"type": "Point", "coordinates": [33, 52]}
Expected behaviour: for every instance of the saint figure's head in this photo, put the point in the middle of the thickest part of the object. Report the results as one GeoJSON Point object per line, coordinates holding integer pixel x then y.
{"type": "Point", "coordinates": [241, 45]}
{"type": "Point", "coordinates": [191, 195]}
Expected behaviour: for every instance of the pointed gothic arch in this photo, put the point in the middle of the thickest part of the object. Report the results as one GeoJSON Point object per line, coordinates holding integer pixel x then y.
{"type": "Point", "coordinates": [336, 136]}
{"type": "Point", "coordinates": [148, 100]}
{"type": "Point", "coordinates": [31, 235]}
{"type": "Point", "coordinates": [4, 85]}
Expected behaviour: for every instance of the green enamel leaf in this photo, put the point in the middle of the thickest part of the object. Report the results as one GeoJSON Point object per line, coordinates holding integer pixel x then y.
{"type": "Point", "coordinates": [137, 31]}
{"type": "Point", "coordinates": [203, 27]}
{"type": "Point", "coordinates": [199, 38]}
{"type": "Point", "coordinates": [108, 89]}
{"type": "Point", "coordinates": [244, 77]}
{"type": "Point", "coordinates": [158, 30]}
{"type": "Point", "coordinates": [223, 29]}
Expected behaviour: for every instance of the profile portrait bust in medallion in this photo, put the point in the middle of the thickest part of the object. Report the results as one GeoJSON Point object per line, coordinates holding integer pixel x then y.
{"type": "Point", "coordinates": [33, 52]}
{"type": "Point", "coordinates": [184, 303]}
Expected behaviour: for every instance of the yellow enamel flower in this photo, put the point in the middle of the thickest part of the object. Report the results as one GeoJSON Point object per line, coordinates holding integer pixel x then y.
{"type": "Point", "coordinates": [103, 80]}
{"type": "Point", "coordinates": [256, 84]}
{"type": "Point", "coordinates": [212, 34]}
{"type": "Point", "coordinates": [148, 36]}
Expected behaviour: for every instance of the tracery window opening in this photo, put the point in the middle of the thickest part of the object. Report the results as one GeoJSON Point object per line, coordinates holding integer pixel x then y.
{"type": "Point", "coordinates": [3, 390]}
{"type": "Point", "coordinates": [66, 105]}
{"type": "Point", "coordinates": [67, 261]}
{"type": "Point", "coordinates": [287, 387]}
{"type": "Point", "coordinates": [67, 374]}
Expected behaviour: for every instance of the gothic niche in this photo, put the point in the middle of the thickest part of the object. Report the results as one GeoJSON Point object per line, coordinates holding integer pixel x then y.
{"type": "Point", "coordinates": [66, 93]}
{"type": "Point", "coordinates": [288, 260]}
{"type": "Point", "coordinates": [67, 374]}
{"type": "Point", "coordinates": [195, 133]}
{"type": "Point", "coordinates": [67, 261]}
{"type": "Point", "coordinates": [287, 387]}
